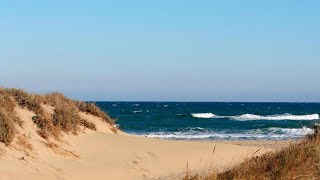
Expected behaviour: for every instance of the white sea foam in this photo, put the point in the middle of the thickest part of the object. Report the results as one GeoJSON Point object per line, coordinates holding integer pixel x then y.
{"type": "Point", "coordinates": [137, 111]}
{"type": "Point", "coordinates": [258, 134]}
{"type": "Point", "coordinates": [249, 117]}
{"type": "Point", "coordinates": [204, 115]}
{"type": "Point", "coordinates": [293, 131]}
{"type": "Point", "coordinates": [194, 129]}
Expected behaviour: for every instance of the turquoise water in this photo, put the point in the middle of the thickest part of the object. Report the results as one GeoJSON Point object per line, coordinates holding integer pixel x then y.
{"type": "Point", "coordinates": [215, 121]}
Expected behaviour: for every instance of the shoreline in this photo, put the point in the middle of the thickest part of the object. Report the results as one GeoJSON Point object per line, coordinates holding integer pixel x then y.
{"type": "Point", "coordinates": [273, 144]}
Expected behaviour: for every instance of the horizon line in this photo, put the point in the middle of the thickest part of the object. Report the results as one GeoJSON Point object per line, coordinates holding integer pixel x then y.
{"type": "Point", "coordinates": [146, 101]}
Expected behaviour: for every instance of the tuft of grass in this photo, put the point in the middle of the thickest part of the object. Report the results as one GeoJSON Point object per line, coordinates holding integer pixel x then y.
{"type": "Point", "coordinates": [60, 150]}
{"type": "Point", "coordinates": [66, 119]}
{"type": "Point", "coordinates": [46, 128]}
{"type": "Point", "coordinates": [7, 117]}
{"type": "Point", "coordinates": [6, 101]}
{"type": "Point", "coordinates": [23, 142]}
{"type": "Point", "coordinates": [25, 100]}
{"type": "Point", "coordinates": [7, 104]}
{"type": "Point", "coordinates": [7, 129]}
{"type": "Point", "coordinates": [297, 161]}
{"type": "Point", "coordinates": [93, 109]}
{"type": "Point", "coordinates": [88, 124]}
{"type": "Point", "coordinates": [59, 100]}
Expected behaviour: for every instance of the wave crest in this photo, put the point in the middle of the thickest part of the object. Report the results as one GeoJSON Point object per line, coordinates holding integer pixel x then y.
{"type": "Point", "coordinates": [273, 133]}
{"type": "Point", "coordinates": [249, 117]}
{"type": "Point", "coordinates": [204, 115]}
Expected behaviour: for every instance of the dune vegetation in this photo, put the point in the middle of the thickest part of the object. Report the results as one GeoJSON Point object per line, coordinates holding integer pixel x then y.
{"type": "Point", "coordinates": [299, 160]}
{"type": "Point", "coordinates": [65, 116]}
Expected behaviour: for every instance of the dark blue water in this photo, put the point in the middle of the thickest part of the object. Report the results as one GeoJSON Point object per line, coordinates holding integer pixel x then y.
{"type": "Point", "coordinates": [192, 120]}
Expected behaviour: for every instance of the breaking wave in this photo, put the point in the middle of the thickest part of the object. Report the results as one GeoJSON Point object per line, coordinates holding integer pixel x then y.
{"type": "Point", "coordinates": [204, 115]}
{"type": "Point", "coordinates": [273, 133]}
{"type": "Point", "coordinates": [248, 117]}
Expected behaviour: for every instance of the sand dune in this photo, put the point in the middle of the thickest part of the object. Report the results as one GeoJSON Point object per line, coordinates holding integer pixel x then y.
{"type": "Point", "coordinates": [102, 154]}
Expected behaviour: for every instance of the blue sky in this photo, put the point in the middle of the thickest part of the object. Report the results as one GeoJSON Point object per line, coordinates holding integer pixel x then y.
{"type": "Point", "coordinates": [163, 50]}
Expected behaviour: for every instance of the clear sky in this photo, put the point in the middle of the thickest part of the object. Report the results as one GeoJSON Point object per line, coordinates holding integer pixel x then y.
{"type": "Point", "coordinates": [177, 50]}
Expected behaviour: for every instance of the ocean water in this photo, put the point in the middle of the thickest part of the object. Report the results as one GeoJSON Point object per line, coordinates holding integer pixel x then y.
{"type": "Point", "coordinates": [215, 121]}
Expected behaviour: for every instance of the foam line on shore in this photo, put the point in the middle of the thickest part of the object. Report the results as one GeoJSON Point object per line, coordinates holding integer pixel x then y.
{"type": "Point", "coordinates": [249, 117]}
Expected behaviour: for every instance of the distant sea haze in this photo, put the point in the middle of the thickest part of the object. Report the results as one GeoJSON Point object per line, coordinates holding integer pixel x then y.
{"type": "Point", "coordinates": [215, 121]}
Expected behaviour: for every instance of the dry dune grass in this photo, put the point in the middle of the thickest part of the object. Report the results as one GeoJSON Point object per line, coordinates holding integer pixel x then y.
{"type": "Point", "coordinates": [297, 161]}
{"type": "Point", "coordinates": [64, 119]}
{"type": "Point", "coordinates": [7, 117]}
{"type": "Point", "coordinates": [25, 100]}
{"type": "Point", "coordinates": [92, 109]}
{"type": "Point", "coordinates": [7, 129]}
{"type": "Point", "coordinates": [24, 143]}
{"type": "Point", "coordinates": [60, 150]}
{"type": "Point", "coordinates": [88, 124]}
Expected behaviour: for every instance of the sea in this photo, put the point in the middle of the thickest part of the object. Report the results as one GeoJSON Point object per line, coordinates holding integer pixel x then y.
{"type": "Point", "coordinates": [215, 120]}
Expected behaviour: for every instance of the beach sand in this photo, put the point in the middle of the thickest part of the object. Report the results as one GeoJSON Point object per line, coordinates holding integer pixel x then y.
{"type": "Point", "coordinates": [102, 154]}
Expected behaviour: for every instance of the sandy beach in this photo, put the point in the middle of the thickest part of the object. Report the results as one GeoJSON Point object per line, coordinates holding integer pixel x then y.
{"type": "Point", "coordinates": [103, 154]}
